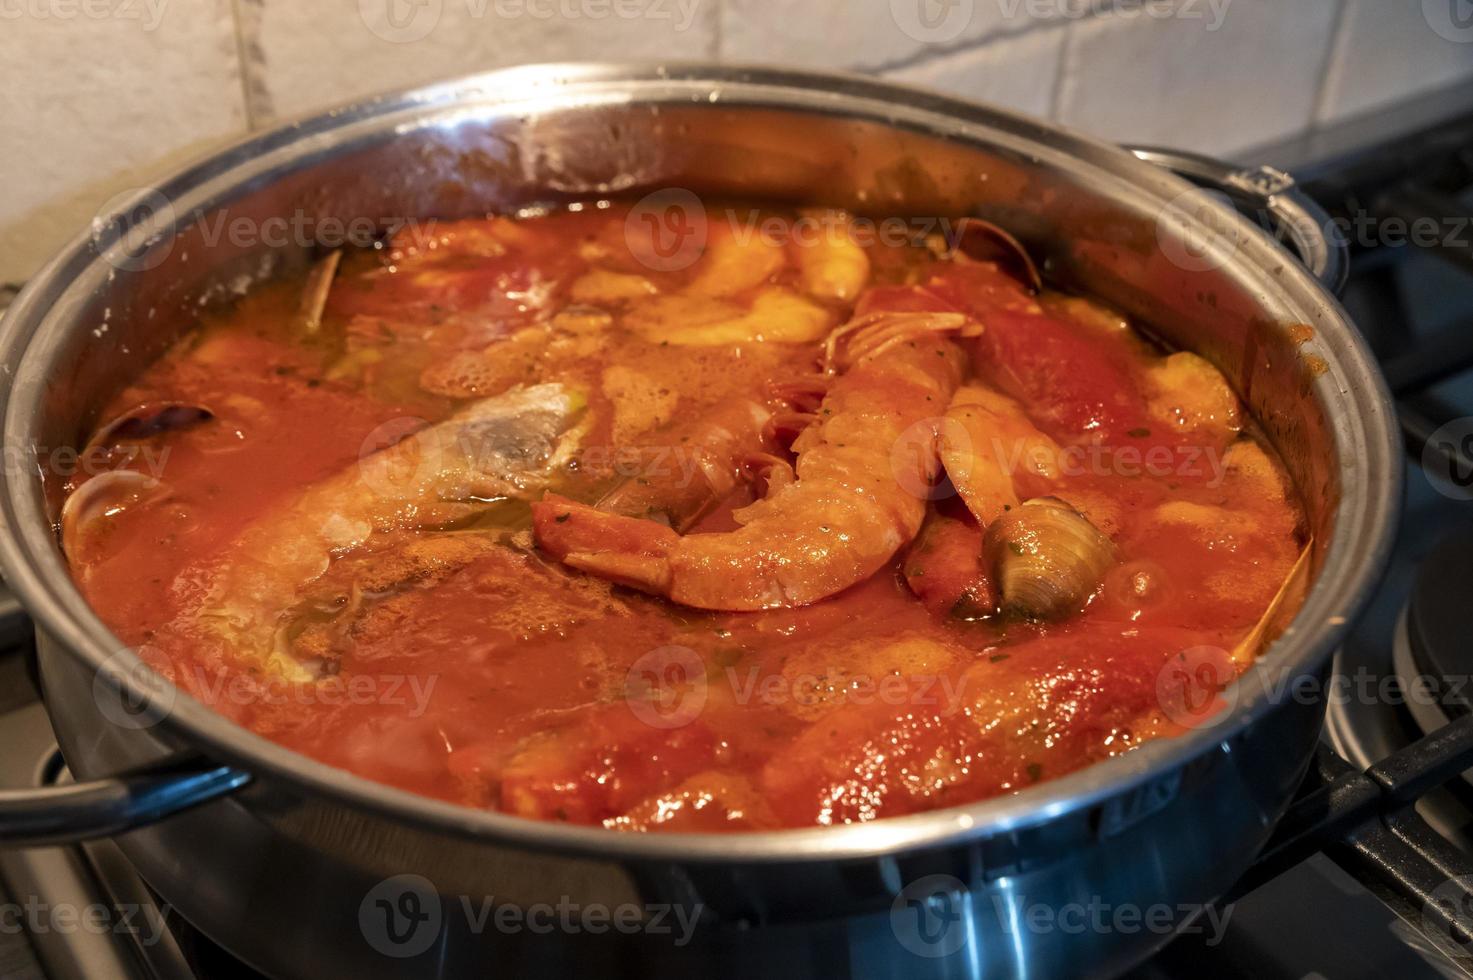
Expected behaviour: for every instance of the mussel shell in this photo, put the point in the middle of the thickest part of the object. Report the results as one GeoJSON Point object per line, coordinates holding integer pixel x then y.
{"type": "Point", "coordinates": [1048, 559]}
{"type": "Point", "coordinates": [148, 420]}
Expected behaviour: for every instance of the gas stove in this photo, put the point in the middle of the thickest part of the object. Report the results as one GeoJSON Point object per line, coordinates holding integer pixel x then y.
{"type": "Point", "coordinates": [1370, 873]}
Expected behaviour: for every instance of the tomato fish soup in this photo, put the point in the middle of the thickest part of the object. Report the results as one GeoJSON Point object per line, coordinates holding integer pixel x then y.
{"type": "Point", "coordinates": [784, 522]}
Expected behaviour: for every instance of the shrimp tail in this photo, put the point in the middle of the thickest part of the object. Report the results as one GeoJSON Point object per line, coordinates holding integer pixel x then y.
{"type": "Point", "coordinates": [626, 550]}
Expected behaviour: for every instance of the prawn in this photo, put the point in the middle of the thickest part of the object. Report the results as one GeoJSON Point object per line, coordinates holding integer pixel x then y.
{"type": "Point", "coordinates": [856, 495]}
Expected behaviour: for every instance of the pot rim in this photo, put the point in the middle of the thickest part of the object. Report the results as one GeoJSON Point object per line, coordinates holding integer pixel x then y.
{"type": "Point", "coordinates": [1351, 390]}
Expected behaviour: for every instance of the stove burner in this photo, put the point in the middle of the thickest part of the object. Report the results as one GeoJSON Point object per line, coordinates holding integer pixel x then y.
{"type": "Point", "coordinates": [152, 940]}
{"type": "Point", "coordinates": [1436, 620]}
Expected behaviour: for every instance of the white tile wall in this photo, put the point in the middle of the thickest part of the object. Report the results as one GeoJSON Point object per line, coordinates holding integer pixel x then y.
{"type": "Point", "coordinates": [1391, 50]}
{"type": "Point", "coordinates": [101, 95]}
{"type": "Point", "coordinates": [864, 34]}
{"type": "Point", "coordinates": [1018, 72]}
{"type": "Point", "coordinates": [307, 55]}
{"type": "Point", "coordinates": [94, 100]}
{"type": "Point", "coordinates": [1213, 81]}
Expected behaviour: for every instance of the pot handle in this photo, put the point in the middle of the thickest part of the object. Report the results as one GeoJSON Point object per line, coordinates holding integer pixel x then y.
{"type": "Point", "coordinates": [104, 807]}
{"type": "Point", "coordinates": [1271, 192]}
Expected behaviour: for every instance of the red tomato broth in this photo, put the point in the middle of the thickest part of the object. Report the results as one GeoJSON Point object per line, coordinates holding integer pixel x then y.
{"type": "Point", "coordinates": [499, 679]}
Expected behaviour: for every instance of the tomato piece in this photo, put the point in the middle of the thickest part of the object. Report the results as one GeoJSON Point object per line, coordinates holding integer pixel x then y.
{"type": "Point", "coordinates": [1018, 714]}
{"type": "Point", "coordinates": [1075, 381]}
{"type": "Point", "coordinates": [601, 766]}
{"type": "Point", "coordinates": [944, 568]}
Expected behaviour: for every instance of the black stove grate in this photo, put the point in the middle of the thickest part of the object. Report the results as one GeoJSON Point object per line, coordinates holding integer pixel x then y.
{"type": "Point", "coordinates": [1366, 822]}
{"type": "Point", "coordinates": [1403, 200]}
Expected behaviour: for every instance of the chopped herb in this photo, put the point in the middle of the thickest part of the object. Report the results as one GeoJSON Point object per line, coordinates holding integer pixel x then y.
{"type": "Point", "coordinates": [1035, 771]}
{"type": "Point", "coordinates": [1139, 433]}
{"type": "Point", "coordinates": [998, 658]}
{"type": "Point", "coordinates": [563, 517]}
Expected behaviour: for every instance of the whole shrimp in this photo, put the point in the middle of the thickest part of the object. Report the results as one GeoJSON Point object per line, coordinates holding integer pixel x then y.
{"type": "Point", "coordinates": [854, 498]}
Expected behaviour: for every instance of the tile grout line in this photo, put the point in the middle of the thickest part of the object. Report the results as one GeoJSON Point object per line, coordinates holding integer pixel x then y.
{"type": "Point", "coordinates": [1062, 72]}
{"type": "Point", "coordinates": [1333, 66]}
{"type": "Point", "coordinates": [1069, 47]}
{"type": "Point", "coordinates": [936, 52]}
{"type": "Point", "coordinates": [240, 57]}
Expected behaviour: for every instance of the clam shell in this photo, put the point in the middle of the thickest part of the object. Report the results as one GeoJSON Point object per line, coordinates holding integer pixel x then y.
{"type": "Point", "coordinates": [85, 512]}
{"type": "Point", "coordinates": [1049, 560]}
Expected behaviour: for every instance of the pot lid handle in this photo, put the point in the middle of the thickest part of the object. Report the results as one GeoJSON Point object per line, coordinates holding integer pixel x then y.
{"type": "Point", "coordinates": [1265, 192]}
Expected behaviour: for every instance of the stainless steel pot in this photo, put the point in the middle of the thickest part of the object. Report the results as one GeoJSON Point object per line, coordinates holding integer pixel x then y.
{"type": "Point", "coordinates": [283, 860]}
